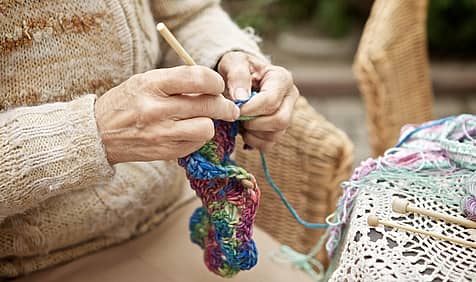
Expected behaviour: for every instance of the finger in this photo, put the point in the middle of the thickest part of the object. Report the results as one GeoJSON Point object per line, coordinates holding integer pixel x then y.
{"type": "Point", "coordinates": [215, 107]}
{"type": "Point", "coordinates": [198, 129]}
{"type": "Point", "coordinates": [186, 148]}
{"type": "Point", "coordinates": [267, 136]}
{"type": "Point", "coordinates": [181, 107]}
{"type": "Point", "coordinates": [194, 129]}
{"type": "Point", "coordinates": [183, 79]}
{"type": "Point", "coordinates": [279, 120]}
{"type": "Point", "coordinates": [235, 68]}
{"type": "Point", "coordinates": [256, 142]}
{"type": "Point", "coordinates": [276, 83]}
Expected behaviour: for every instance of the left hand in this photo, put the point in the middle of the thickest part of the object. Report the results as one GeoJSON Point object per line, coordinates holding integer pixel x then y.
{"type": "Point", "coordinates": [272, 107]}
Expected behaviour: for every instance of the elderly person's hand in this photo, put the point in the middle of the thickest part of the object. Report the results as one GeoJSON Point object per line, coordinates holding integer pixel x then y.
{"type": "Point", "coordinates": [148, 117]}
{"type": "Point", "coordinates": [274, 104]}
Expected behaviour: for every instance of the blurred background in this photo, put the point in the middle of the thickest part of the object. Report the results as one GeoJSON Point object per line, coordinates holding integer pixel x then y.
{"type": "Point", "coordinates": [317, 40]}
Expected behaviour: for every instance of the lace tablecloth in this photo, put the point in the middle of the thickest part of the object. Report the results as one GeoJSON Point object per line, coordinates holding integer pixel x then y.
{"type": "Point", "coordinates": [430, 175]}
{"type": "Point", "coordinates": [386, 254]}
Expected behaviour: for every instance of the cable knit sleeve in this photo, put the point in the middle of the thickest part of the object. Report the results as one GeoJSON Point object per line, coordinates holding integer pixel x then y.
{"type": "Point", "coordinates": [47, 150]}
{"type": "Point", "coordinates": [204, 29]}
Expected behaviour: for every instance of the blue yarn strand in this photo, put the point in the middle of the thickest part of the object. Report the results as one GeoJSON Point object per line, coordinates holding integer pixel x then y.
{"type": "Point", "coordinates": [283, 198]}
{"type": "Point", "coordinates": [293, 212]}
{"type": "Point", "coordinates": [431, 124]}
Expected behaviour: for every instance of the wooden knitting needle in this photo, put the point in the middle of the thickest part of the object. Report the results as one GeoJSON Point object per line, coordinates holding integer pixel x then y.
{"type": "Point", "coordinates": [173, 42]}
{"type": "Point", "coordinates": [188, 60]}
{"type": "Point", "coordinates": [403, 206]}
{"type": "Point", "coordinates": [374, 221]}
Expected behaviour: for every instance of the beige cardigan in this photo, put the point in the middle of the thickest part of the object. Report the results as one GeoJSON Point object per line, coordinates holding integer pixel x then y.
{"type": "Point", "coordinates": [59, 197]}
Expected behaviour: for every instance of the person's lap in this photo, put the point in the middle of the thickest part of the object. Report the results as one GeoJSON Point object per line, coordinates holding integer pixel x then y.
{"type": "Point", "coordinates": [165, 254]}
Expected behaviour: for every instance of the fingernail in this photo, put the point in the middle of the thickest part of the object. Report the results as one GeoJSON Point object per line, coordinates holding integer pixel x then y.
{"type": "Point", "coordinates": [241, 94]}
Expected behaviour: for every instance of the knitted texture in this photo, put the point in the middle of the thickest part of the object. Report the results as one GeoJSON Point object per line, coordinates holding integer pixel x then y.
{"type": "Point", "coordinates": [57, 191]}
{"type": "Point", "coordinates": [223, 225]}
{"type": "Point", "coordinates": [433, 167]}
{"type": "Point", "coordinates": [439, 156]}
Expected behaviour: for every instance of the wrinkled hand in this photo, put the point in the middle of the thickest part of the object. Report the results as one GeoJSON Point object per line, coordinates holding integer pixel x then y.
{"type": "Point", "coordinates": [151, 117]}
{"type": "Point", "coordinates": [272, 107]}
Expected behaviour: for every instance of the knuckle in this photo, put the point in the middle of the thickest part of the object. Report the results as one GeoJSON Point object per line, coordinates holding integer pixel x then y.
{"type": "Point", "coordinates": [195, 80]}
{"type": "Point", "coordinates": [144, 106]}
{"type": "Point", "coordinates": [239, 73]}
{"type": "Point", "coordinates": [286, 74]}
{"type": "Point", "coordinates": [270, 106]}
{"type": "Point", "coordinates": [139, 79]}
{"type": "Point", "coordinates": [156, 137]}
{"type": "Point", "coordinates": [208, 129]}
{"type": "Point", "coordinates": [201, 74]}
{"type": "Point", "coordinates": [148, 82]}
{"type": "Point", "coordinates": [134, 84]}
{"type": "Point", "coordinates": [281, 121]}
{"type": "Point", "coordinates": [226, 61]}
{"type": "Point", "coordinates": [207, 106]}
{"type": "Point", "coordinates": [188, 74]}
{"type": "Point", "coordinates": [280, 69]}
{"type": "Point", "coordinates": [200, 77]}
{"type": "Point", "coordinates": [274, 136]}
{"type": "Point", "coordinates": [139, 103]}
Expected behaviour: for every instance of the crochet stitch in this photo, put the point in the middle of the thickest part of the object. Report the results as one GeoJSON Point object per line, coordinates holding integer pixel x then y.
{"type": "Point", "coordinates": [223, 225]}
{"type": "Point", "coordinates": [439, 155]}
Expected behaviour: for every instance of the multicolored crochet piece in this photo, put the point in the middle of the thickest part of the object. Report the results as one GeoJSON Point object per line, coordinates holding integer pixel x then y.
{"type": "Point", "coordinates": [223, 226]}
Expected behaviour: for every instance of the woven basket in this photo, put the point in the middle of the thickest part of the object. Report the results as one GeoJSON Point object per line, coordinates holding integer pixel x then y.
{"type": "Point", "coordinates": [307, 164]}
{"type": "Point", "coordinates": [392, 69]}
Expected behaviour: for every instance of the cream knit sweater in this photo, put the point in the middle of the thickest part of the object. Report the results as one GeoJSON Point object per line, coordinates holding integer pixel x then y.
{"type": "Point", "coordinates": [59, 197]}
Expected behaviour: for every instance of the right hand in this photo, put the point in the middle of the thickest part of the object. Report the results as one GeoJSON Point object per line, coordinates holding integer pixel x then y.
{"type": "Point", "coordinates": [150, 116]}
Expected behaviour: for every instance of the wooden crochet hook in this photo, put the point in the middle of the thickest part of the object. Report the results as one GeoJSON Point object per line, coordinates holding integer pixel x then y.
{"type": "Point", "coordinates": [188, 60]}
{"type": "Point", "coordinates": [374, 221]}
{"type": "Point", "coordinates": [403, 206]}
{"type": "Point", "coordinates": [173, 42]}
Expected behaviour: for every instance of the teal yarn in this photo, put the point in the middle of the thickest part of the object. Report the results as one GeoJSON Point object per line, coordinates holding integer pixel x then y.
{"type": "Point", "coordinates": [434, 161]}
{"type": "Point", "coordinates": [304, 262]}
{"type": "Point", "coordinates": [438, 155]}
{"type": "Point", "coordinates": [285, 201]}
{"type": "Point", "coordinates": [222, 227]}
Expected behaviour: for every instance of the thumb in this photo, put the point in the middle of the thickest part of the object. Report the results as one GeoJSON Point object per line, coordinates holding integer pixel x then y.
{"type": "Point", "coordinates": [235, 68]}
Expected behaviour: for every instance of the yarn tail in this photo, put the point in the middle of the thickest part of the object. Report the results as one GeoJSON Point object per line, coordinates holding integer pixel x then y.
{"type": "Point", "coordinates": [285, 201]}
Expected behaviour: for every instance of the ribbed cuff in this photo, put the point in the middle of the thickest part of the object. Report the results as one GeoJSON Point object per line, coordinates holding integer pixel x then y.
{"type": "Point", "coordinates": [47, 150]}
{"type": "Point", "coordinates": [87, 148]}
{"type": "Point", "coordinates": [54, 147]}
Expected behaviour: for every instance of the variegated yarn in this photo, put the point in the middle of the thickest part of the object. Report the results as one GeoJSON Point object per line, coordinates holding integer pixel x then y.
{"type": "Point", "coordinates": [440, 155]}
{"type": "Point", "coordinates": [223, 226]}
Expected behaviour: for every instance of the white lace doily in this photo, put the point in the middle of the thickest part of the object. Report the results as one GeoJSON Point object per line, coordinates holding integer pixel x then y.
{"type": "Point", "coordinates": [386, 254]}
